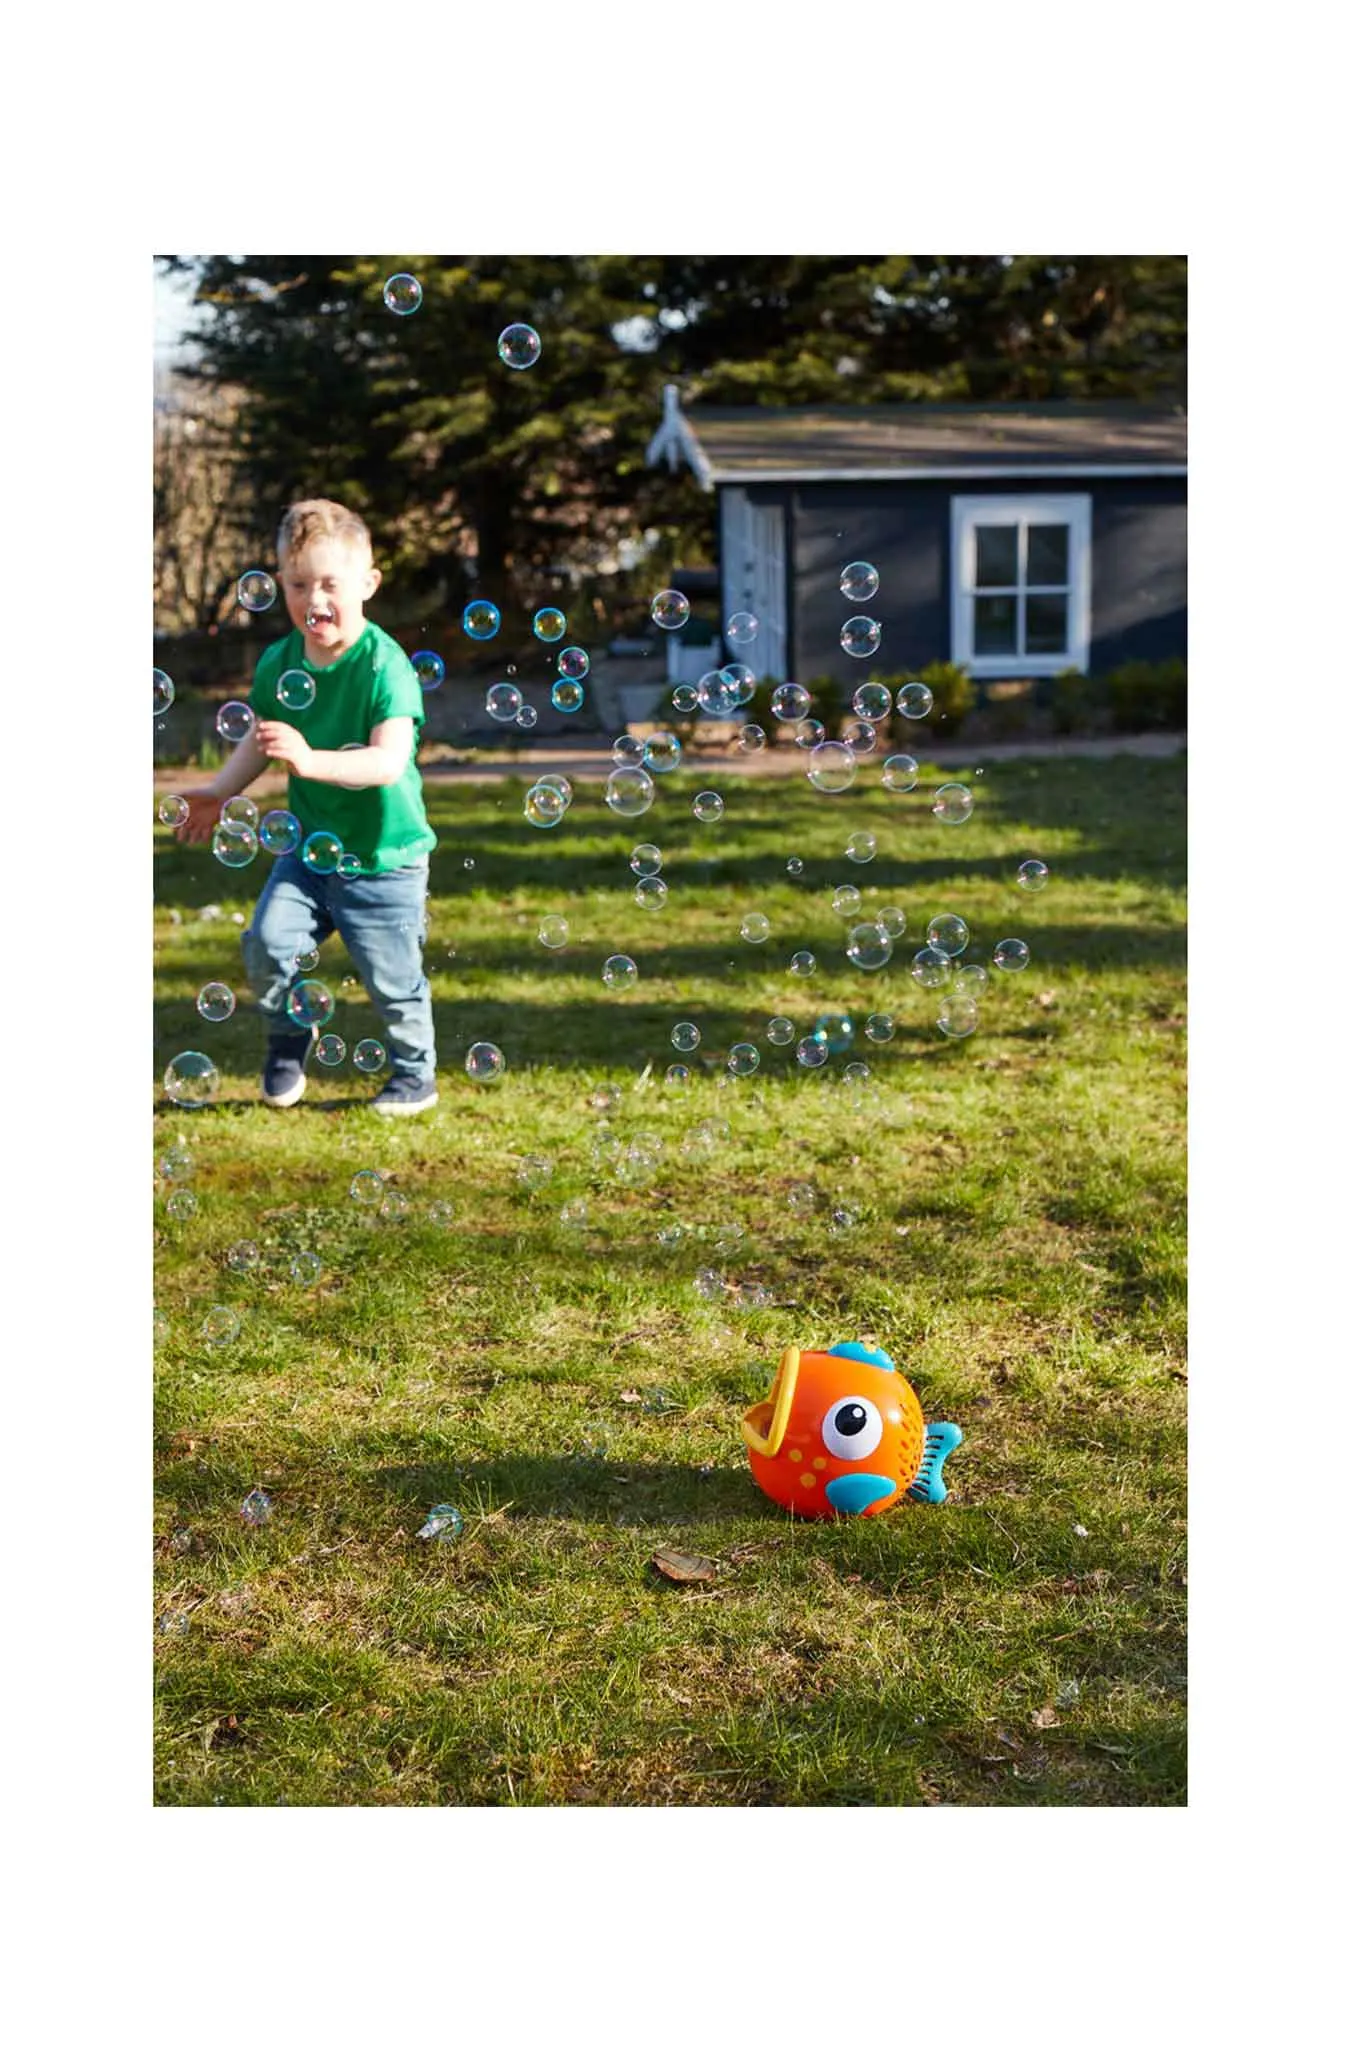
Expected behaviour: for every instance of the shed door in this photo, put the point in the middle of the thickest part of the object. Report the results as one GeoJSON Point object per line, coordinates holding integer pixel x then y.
{"type": "Point", "coordinates": [754, 579]}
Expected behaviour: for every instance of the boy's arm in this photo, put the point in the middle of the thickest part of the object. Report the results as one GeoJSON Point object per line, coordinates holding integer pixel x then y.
{"type": "Point", "coordinates": [370, 767]}
{"type": "Point", "coordinates": [238, 772]}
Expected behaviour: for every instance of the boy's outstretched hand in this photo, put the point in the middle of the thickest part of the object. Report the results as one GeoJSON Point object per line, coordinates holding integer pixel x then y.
{"type": "Point", "coordinates": [281, 742]}
{"type": "Point", "coordinates": [205, 810]}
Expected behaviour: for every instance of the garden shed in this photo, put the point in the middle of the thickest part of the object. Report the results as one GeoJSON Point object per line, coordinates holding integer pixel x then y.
{"type": "Point", "coordinates": [1016, 539]}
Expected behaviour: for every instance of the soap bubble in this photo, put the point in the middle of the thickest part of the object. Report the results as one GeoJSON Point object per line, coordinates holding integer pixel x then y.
{"type": "Point", "coordinates": [754, 927]}
{"type": "Point", "coordinates": [481, 619]}
{"type": "Point", "coordinates": [685, 699]}
{"type": "Point", "coordinates": [527, 717]}
{"type": "Point", "coordinates": [845, 900]}
{"type": "Point", "coordinates": [306, 961]}
{"type": "Point", "coordinates": [795, 864]}
{"type": "Point", "coordinates": [860, 637]}
{"type": "Point", "coordinates": [322, 852]}
{"type": "Point", "coordinates": [181, 1205]}
{"type": "Point", "coordinates": [244, 1256]}
{"type": "Point", "coordinates": [856, 1072]}
{"type": "Point", "coordinates": [173, 810]}
{"type": "Point", "coordinates": [280, 832]}
{"type": "Point", "coordinates": [843, 1218]}
{"type": "Point", "coordinates": [663, 752]}
{"type": "Point", "coordinates": [627, 751]}
{"type": "Point", "coordinates": [1033, 875]}
{"type": "Point", "coordinates": [234, 721]}
{"type": "Point", "coordinates": [330, 1051]}
{"type": "Point", "coordinates": [574, 1214]}
{"type": "Point", "coordinates": [872, 701]}
{"type": "Point", "coordinates": [630, 792]}
{"type": "Point", "coordinates": [743, 1060]}
{"type": "Point", "coordinates": [535, 1171]}
{"type": "Point", "coordinates": [369, 1056]}
{"type": "Point", "coordinates": [367, 1188]}
{"type": "Point", "coordinates": [832, 766]}
{"type": "Point", "coordinates": [790, 701]}
{"type": "Point", "coordinates": [394, 1206]}
{"type": "Point", "coordinates": [256, 591]}
{"type": "Point", "coordinates": [1011, 956]}
{"type": "Point", "coordinates": [948, 933]}
{"type": "Point", "coordinates": [742, 679]}
{"type": "Point", "coordinates": [802, 965]}
{"type": "Point", "coordinates": [931, 968]}
{"type": "Point", "coordinates": [779, 1031]}
{"type": "Point", "coordinates": [716, 694]}
{"type": "Point", "coordinates": [861, 736]}
{"type": "Point", "coordinates": [651, 892]}
{"type": "Point", "coordinates": [519, 346]}
{"type": "Point", "coordinates": [620, 972]}
{"type": "Point", "coordinates": [221, 1326]}
{"type": "Point", "coordinates": [402, 293]}
{"type": "Point", "coordinates": [892, 920]}
{"type": "Point", "coordinates": [859, 582]}
{"type": "Point", "coordinates": [606, 1099]}
{"type": "Point", "coordinates": [304, 1268]}
{"type": "Point", "coordinates": [708, 806]}
{"type": "Point", "coordinates": [554, 932]}
{"type": "Point", "coordinates": [953, 803]}
{"type": "Point", "coordinates": [429, 669]}
{"type": "Point", "coordinates": [869, 946]}
{"type": "Point", "coordinates": [685, 1036]}
{"type": "Point", "coordinates": [862, 847]}
{"type": "Point", "coordinates": [256, 1509]}
{"type": "Point", "coordinates": [812, 1052]}
{"type": "Point", "coordinates": [677, 1076]}
{"type": "Point", "coordinates": [239, 810]}
{"type": "Point", "coordinates": [646, 859]}
{"type": "Point", "coordinates": [801, 1198]}
{"type": "Point", "coordinates": [163, 692]}
{"type": "Point", "coordinates": [915, 700]}
{"type": "Point", "coordinates": [566, 695]}
{"type": "Point", "coordinates": [710, 1284]}
{"type": "Point", "coordinates": [752, 739]}
{"type": "Point", "coordinates": [484, 1062]}
{"type": "Point", "coordinates": [971, 980]}
{"type": "Point", "coordinates": [900, 772]}
{"type": "Point", "coordinates": [573, 664]}
{"type": "Point", "coordinates": [880, 1028]}
{"type": "Point", "coordinates": [543, 806]}
{"type": "Point", "coordinates": [741, 628]}
{"type": "Point", "coordinates": [177, 1163]}
{"type": "Point", "coordinates": [191, 1080]}
{"type": "Point", "coordinates": [836, 1030]}
{"type": "Point", "coordinates": [502, 702]}
{"type": "Point", "coordinates": [310, 1003]}
{"type": "Point", "coordinates": [296, 689]}
{"type": "Point", "coordinates": [549, 623]}
{"type": "Point", "coordinates": [215, 1002]}
{"type": "Point", "coordinates": [670, 609]}
{"type": "Point", "coordinates": [561, 785]}
{"type": "Point", "coordinates": [234, 845]}
{"type": "Point", "coordinates": [957, 1016]}
{"type": "Point", "coordinates": [808, 734]}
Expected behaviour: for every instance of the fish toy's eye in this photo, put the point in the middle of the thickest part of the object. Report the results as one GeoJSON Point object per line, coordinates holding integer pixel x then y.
{"type": "Point", "coordinates": [852, 1429]}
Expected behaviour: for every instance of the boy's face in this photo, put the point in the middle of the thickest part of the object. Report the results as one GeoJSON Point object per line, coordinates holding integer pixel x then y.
{"type": "Point", "coordinates": [327, 584]}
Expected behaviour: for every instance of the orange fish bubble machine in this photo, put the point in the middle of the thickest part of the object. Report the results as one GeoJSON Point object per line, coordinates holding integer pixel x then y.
{"type": "Point", "coordinates": [841, 1433]}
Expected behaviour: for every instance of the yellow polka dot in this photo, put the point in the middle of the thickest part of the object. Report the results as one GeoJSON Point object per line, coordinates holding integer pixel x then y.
{"type": "Point", "coordinates": [819, 1463]}
{"type": "Point", "coordinates": [808, 1479]}
{"type": "Point", "coordinates": [795, 1457]}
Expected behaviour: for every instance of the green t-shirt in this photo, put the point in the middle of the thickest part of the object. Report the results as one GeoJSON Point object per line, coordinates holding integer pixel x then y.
{"type": "Point", "coordinates": [386, 827]}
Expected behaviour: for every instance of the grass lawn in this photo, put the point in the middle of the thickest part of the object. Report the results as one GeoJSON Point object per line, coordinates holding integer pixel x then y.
{"type": "Point", "coordinates": [1011, 1229]}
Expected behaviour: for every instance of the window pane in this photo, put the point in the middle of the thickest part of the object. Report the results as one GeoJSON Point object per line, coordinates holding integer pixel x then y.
{"type": "Point", "coordinates": [997, 556]}
{"type": "Point", "coordinates": [995, 625]}
{"type": "Point", "coordinates": [1049, 554]}
{"type": "Point", "coordinates": [1045, 625]}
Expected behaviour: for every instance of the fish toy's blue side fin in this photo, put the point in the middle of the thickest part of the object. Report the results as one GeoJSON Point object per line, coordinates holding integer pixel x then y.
{"type": "Point", "coordinates": [941, 1439]}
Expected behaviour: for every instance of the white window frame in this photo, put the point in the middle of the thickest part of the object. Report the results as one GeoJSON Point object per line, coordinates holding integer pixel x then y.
{"type": "Point", "coordinates": [1072, 511]}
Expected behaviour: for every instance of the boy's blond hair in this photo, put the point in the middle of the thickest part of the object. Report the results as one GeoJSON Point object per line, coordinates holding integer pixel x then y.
{"type": "Point", "coordinates": [320, 519]}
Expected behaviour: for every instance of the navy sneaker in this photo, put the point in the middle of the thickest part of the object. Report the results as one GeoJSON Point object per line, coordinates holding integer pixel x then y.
{"type": "Point", "coordinates": [282, 1078]}
{"type": "Point", "coordinates": [404, 1095]}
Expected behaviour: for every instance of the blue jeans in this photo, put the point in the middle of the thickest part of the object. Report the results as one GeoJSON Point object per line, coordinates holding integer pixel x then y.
{"type": "Point", "coordinates": [381, 920]}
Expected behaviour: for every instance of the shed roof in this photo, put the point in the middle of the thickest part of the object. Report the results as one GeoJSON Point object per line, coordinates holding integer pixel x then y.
{"type": "Point", "coordinates": [768, 444]}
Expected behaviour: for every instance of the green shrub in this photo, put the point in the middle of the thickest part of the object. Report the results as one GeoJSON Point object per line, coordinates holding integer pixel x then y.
{"type": "Point", "coordinates": [954, 698]}
{"type": "Point", "coordinates": [1070, 697]}
{"type": "Point", "coordinates": [1147, 696]}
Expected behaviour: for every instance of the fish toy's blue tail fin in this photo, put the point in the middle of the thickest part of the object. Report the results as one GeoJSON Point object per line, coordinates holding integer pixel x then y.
{"type": "Point", "coordinates": [941, 1439]}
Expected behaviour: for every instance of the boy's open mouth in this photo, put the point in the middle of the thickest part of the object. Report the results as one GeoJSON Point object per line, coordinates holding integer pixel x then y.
{"type": "Point", "coordinates": [318, 618]}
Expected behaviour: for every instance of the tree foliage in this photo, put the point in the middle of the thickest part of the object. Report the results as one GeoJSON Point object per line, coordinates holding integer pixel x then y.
{"type": "Point", "coordinates": [467, 469]}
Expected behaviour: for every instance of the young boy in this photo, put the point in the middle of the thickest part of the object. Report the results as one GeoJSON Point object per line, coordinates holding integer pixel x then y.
{"type": "Point", "coordinates": [352, 760]}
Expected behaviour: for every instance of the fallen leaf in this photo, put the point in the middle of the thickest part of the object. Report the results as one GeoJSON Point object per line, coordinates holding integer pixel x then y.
{"type": "Point", "coordinates": [1046, 998]}
{"type": "Point", "coordinates": [682, 1569]}
{"type": "Point", "coordinates": [1043, 1717]}
{"type": "Point", "coordinates": [630, 1394]}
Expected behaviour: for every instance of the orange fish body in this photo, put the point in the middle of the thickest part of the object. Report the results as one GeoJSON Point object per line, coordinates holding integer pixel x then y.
{"type": "Point", "coordinates": [841, 1433]}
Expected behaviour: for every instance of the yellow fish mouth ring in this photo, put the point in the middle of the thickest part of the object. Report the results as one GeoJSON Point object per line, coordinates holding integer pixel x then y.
{"type": "Point", "coordinates": [764, 1426]}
